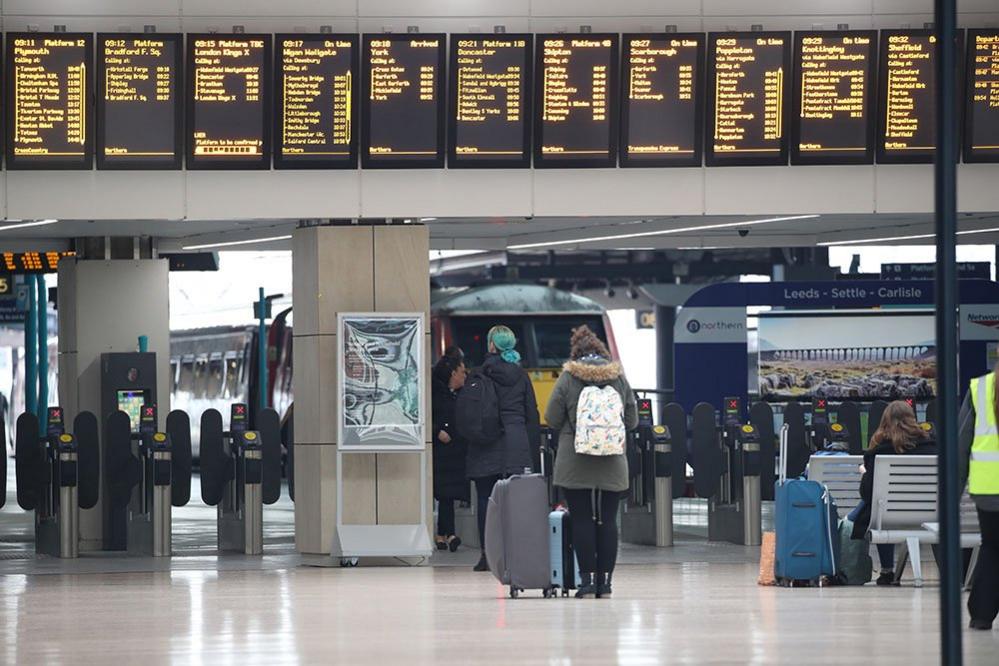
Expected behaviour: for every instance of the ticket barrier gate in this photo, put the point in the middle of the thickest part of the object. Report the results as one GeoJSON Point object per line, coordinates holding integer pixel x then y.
{"type": "Point", "coordinates": [727, 473]}
{"type": "Point", "coordinates": [240, 472]}
{"type": "Point", "coordinates": [648, 513]}
{"type": "Point", "coordinates": [149, 473]}
{"type": "Point", "coordinates": [57, 475]}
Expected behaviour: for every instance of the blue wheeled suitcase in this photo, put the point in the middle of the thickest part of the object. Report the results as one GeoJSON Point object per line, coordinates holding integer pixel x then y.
{"type": "Point", "coordinates": [562, 560]}
{"type": "Point", "coordinates": [805, 523]}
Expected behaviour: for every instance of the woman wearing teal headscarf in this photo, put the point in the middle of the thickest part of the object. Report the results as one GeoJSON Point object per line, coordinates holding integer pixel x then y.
{"type": "Point", "coordinates": [513, 452]}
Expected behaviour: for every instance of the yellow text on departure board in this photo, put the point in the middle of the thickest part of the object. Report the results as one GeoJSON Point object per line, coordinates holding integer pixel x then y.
{"type": "Point", "coordinates": [227, 71]}
{"type": "Point", "coordinates": [561, 95]}
{"type": "Point", "coordinates": [138, 73]}
{"type": "Point", "coordinates": [645, 61]}
{"type": "Point", "coordinates": [316, 74]}
{"type": "Point", "coordinates": [835, 76]}
{"type": "Point", "coordinates": [484, 93]}
{"type": "Point", "coordinates": [909, 71]}
{"type": "Point", "coordinates": [50, 90]}
{"type": "Point", "coordinates": [392, 77]}
{"type": "Point", "coordinates": [740, 103]}
{"type": "Point", "coordinates": [985, 91]}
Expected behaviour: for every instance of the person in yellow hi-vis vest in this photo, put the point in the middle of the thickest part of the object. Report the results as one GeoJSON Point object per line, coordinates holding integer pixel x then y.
{"type": "Point", "coordinates": [979, 442]}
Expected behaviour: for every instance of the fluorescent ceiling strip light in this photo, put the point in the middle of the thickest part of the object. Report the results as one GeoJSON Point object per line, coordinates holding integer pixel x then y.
{"type": "Point", "coordinates": [22, 225]}
{"type": "Point", "coordinates": [242, 242]}
{"type": "Point", "coordinates": [871, 241]}
{"type": "Point", "coordinates": [663, 232]}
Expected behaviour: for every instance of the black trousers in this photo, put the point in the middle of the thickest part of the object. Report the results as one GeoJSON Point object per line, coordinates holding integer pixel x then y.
{"type": "Point", "coordinates": [483, 489]}
{"type": "Point", "coordinates": [593, 516]}
{"type": "Point", "coordinates": [983, 604]}
{"type": "Point", "coordinates": [445, 517]}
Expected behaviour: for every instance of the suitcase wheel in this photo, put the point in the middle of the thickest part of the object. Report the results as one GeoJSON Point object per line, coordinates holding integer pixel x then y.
{"type": "Point", "coordinates": [548, 592]}
{"type": "Point", "coordinates": [514, 592]}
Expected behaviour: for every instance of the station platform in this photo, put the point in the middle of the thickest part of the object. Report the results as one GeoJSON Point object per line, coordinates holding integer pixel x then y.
{"type": "Point", "coordinates": [697, 602]}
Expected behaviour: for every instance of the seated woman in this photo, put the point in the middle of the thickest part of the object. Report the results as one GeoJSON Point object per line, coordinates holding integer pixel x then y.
{"type": "Point", "coordinates": [898, 434]}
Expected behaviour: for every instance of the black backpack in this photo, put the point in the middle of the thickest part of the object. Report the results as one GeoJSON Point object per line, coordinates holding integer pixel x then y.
{"type": "Point", "coordinates": [476, 412]}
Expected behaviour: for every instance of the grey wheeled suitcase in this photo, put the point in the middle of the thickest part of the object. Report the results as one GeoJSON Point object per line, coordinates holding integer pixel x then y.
{"type": "Point", "coordinates": [517, 534]}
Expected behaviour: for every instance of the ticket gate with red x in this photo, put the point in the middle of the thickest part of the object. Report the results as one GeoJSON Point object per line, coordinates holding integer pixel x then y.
{"type": "Point", "coordinates": [240, 472]}
{"type": "Point", "coordinates": [58, 474]}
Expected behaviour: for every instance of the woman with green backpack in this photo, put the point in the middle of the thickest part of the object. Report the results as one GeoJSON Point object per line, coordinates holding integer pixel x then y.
{"type": "Point", "coordinates": [592, 407]}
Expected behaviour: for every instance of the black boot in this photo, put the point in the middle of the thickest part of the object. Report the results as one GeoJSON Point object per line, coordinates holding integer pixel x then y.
{"type": "Point", "coordinates": [586, 587]}
{"type": "Point", "coordinates": [482, 564]}
{"type": "Point", "coordinates": [603, 585]}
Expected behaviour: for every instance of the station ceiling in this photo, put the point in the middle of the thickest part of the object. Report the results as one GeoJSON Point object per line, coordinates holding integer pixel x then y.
{"type": "Point", "coordinates": [539, 233]}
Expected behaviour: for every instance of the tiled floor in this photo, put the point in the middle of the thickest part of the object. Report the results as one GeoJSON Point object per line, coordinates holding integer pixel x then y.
{"type": "Point", "coordinates": [695, 603]}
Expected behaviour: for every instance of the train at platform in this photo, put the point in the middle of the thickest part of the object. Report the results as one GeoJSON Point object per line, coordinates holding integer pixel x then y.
{"type": "Point", "coordinates": [215, 367]}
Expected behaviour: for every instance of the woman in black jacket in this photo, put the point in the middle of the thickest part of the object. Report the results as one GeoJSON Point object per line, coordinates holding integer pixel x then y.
{"type": "Point", "coordinates": [511, 453]}
{"type": "Point", "coordinates": [897, 434]}
{"type": "Point", "coordinates": [450, 482]}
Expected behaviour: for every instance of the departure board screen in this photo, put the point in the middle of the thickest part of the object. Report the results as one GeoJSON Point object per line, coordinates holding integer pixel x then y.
{"type": "Point", "coordinates": [48, 100]}
{"type": "Point", "coordinates": [228, 101]}
{"type": "Point", "coordinates": [489, 119]}
{"type": "Point", "coordinates": [662, 100]}
{"type": "Point", "coordinates": [835, 86]}
{"type": "Point", "coordinates": [402, 110]}
{"type": "Point", "coordinates": [748, 86]}
{"type": "Point", "coordinates": [907, 106]}
{"type": "Point", "coordinates": [20, 263]}
{"type": "Point", "coordinates": [139, 111]}
{"type": "Point", "coordinates": [575, 105]}
{"type": "Point", "coordinates": [317, 94]}
{"type": "Point", "coordinates": [981, 132]}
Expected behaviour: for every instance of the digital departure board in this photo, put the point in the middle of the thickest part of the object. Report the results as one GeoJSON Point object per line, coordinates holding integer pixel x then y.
{"type": "Point", "coordinates": [48, 100]}
{"type": "Point", "coordinates": [228, 101]}
{"type": "Point", "coordinates": [402, 109]}
{"type": "Point", "coordinates": [662, 100]}
{"type": "Point", "coordinates": [575, 101]}
{"type": "Point", "coordinates": [20, 263]}
{"type": "Point", "coordinates": [748, 85]}
{"type": "Point", "coordinates": [981, 131]}
{"type": "Point", "coordinates": [317, 96]}
{"type": "Point", "coordinates": [139, 110]}
{"type": "Point", "coordinates": [489, 122]}
{"type": "Point", "coordinates": [907, 105]}
{"type": "Point", "coordinates": [835, 87]}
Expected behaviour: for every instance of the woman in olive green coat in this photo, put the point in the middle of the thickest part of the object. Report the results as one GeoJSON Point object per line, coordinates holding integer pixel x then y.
{"type": "Point", "coordinates": [592, 484]}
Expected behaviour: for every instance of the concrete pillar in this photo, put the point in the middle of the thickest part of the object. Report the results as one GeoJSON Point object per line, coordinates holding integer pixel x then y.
{"type": "Point", "coordinates": [350, 269]}
{"type": "Point", "coordinates": [104, 306]}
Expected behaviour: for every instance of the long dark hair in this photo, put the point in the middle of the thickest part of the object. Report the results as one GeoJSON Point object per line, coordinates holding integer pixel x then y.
{"type": "Point", "coordinates": [899, 427]}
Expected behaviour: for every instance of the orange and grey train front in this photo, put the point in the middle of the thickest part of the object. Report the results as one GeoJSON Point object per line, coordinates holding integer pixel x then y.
{"type": "Point", "coordinates": [542, 318]}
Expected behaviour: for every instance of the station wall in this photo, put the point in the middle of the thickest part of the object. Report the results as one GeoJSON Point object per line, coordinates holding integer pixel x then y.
{"type": "Point", "coordinates": [501, 193]}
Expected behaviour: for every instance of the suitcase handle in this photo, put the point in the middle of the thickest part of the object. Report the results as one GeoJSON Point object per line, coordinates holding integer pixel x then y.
{"type": "Point", "coordinates": [782, 478]}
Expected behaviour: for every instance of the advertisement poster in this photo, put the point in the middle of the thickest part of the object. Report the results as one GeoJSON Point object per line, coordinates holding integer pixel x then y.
{"type": "Point", "coordinates": [870, 355]}
{"type": "Point", "coordinates": [381, 384]}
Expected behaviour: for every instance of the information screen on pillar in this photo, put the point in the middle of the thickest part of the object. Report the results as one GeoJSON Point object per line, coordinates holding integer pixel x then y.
{"type": "Point", "coordinates": [139, 111]}
{"type": "Point", "coordinates": [317, 99]}
{"type": "Point", "coordinates": [489, 121]}
{"type": "Point", "coordinates": [907, 109]}
{"type": "Point", "coordinates": [835, 86]}
{"type": "Point", "coordinates": [575, 104]}
{"type": "Point", "coordinates": [662, 100]}
{"type": "Point", "coordinates": [228, 101]}
{"type": "Point", "coordinates": [748, 87]}
{"type": "Point", "coordinates": [981, 132]}
{"type": "Point", "coordinates": [48, 100]}
{"type": "Point", "coordinates": [131, 401]}
{"type": "Point", "coordinates": [402, 108]}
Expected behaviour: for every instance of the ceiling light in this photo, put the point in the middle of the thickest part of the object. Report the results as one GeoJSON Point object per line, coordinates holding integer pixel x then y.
{"type": "Point", "coordinates": [252, 241]}
{"type": "Point", "coordinates": [871, 241]}
{"type": "Point", "coordinates": [427, 219]}
{"type": "Point", "coordinates": [22, 225]}
{"type": "Point", "coordinates": [663, 232]}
